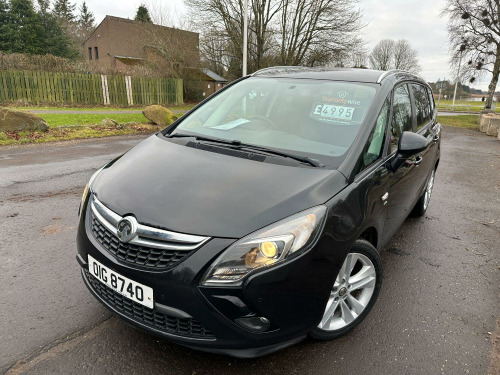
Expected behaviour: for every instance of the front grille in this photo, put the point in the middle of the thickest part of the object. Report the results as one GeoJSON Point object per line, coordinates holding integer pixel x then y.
{"type": "Point", "coordinates": [150, 317]}
{"type": "Point", "coordinates": [138, 255]}
{"type": "Point", "coordinates": [147, 246]}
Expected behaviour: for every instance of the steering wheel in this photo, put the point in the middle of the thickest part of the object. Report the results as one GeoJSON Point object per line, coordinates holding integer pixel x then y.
{"type": "Point", "coordinates": [265, 119]}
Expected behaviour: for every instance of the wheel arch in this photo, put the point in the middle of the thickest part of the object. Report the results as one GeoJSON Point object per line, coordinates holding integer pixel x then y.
{"type": "Point", "coordinates": [370, 234]}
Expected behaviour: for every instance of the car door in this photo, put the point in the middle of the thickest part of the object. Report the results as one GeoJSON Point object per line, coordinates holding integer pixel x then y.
{"type": "Point", "coordinates": [424, 123]}
{"type": "Point", "coordinates": [403, 185]}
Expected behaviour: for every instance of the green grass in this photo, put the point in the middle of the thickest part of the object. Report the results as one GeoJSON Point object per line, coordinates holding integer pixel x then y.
{"type": "Point", "coordinates": [76, 132]}
{"type": "Point", "coordinates": [460, 106]}
{"type": "Point", "coordinates": [79, 126]}
{"type": "Point", "coordinates": [462, 121]}
{"type": "Point", "coordinates": [183, 107]}
{"type": "Point", "coordinates": [55, 120]}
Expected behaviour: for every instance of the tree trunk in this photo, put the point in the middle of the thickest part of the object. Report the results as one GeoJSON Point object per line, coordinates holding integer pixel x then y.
{"type": "Point", "coordinates": [494, 80]}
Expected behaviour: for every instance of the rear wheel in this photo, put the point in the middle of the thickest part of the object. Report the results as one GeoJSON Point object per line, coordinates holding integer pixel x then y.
{"type": "Point", "coordinates": [353, 294]}
{"type": "Point", "coordinates": [423, 202]}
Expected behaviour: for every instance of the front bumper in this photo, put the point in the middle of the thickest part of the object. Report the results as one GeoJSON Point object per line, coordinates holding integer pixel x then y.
{"type": "Point", "coordinates": [292, 296]}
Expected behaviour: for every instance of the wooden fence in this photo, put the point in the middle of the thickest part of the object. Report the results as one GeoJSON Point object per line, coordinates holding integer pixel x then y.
{"type": "Point", "coordinates": [89, 89]}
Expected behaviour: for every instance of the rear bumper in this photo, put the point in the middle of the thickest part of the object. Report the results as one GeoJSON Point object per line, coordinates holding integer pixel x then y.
{"type": "Point", "coordinates": [291, 296]}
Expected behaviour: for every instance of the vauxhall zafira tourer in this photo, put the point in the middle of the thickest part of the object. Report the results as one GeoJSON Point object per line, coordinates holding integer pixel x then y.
{"type": "Point", "coordinates": [257, 219]}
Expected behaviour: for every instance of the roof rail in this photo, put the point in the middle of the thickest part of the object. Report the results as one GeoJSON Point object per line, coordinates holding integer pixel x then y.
{"type": "Point", "coordinates": [394, 71]}
{"type": "Point", "coordinates": [389, 72]}
{"type": "Point", "coordinates": [272, 68]}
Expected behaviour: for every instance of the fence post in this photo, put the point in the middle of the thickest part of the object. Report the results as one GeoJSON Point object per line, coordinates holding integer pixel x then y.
{"type": "Point", "coordinates": [128, 86]}
{"type": "Point", "coordinates": [105, 92]}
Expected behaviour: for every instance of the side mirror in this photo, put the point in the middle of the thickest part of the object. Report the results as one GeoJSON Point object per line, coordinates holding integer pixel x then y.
{"type": "Point", "coordinates": [409, 144]}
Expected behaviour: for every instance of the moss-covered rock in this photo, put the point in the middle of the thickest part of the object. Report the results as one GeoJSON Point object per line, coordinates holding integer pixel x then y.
{"type": "Point", "coordinates": [12, 120]}
{"type": "Point", "coordinates": [159, 115]}
{"type": "Point", "coordinates": [109, 123]}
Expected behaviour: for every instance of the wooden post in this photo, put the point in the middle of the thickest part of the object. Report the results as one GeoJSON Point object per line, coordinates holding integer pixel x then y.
{"type": "Point", "coordinates": [105, 92]}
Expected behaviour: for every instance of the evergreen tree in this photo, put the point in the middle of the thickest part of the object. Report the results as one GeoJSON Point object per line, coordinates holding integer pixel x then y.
{"type": "Point", "coordinates": [43, 6]}
{"type": "Point", "coordinates": [56, 39]}
{"type": "Point", "coordinates": [5, 31]}
{"type": "Point", "coordinates": [24, 29]}
{"type": "Point", "coordinates": [86, 19]}
{"type": "Point", "coordinates": [64, 10]}
{"type": "Point", "coordinates": [143, 14]}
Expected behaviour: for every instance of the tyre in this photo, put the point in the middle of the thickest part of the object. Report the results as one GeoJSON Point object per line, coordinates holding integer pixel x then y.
{"type": "Point", "coordinates": [353, 294]}
{"type": "Point", "coordinates": [423, 202]}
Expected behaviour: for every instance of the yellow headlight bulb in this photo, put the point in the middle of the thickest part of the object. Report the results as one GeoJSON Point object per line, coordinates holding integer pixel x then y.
{"type": "Point", "coordinates": [268, 249]}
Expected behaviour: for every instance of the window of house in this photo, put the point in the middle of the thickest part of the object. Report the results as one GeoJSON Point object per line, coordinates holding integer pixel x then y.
{"type": "Point", "coordinates": [96, 53]}
{"type": "Point", "coordinates": [402, 119]}
{"type": "Point", "coordinates": [422, 105]}
{"type": "Point", "coordinates": [208, 86]}
{"type": "Point", "coordinates": [90, 53]}
{"type": "Point", "coordinates": [374, 147]}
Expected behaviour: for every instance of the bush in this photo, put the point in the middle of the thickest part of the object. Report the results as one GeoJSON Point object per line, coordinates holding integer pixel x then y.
{"type": "Point", "coordinates": [193, 91]}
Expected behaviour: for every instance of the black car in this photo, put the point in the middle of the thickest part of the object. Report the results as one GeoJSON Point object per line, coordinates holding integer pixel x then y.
{"type": "Point", "coordinates": [257, 218]}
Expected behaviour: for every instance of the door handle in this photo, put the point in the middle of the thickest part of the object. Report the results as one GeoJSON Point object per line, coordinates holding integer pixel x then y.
{"type": "Point", "coordinates": [418, 160]}
{"type": "Point", "coordinates": [385, 197]}
{"type": "Point", "coordinates": [436, 138]}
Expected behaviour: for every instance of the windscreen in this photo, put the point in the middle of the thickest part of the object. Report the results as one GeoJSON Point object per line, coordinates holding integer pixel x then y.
{"type": "Point", "coordinates": [314, 118]}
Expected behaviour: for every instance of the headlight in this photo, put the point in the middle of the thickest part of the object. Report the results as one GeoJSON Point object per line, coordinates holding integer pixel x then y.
{"type": "Point", "coordinates": [266, 247]}
{"type": "Point", "coordinates": [87, 188]}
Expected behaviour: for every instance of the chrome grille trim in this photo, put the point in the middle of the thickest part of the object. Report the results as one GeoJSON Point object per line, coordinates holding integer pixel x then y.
{"type": "Point", "coordinates": [145, 235]}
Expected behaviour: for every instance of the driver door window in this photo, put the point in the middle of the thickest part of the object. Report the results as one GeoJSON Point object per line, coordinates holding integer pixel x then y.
{"type": "Point", "coordinates": [374, 147]}
{"type": "Point", "coordinates": [402, 119]}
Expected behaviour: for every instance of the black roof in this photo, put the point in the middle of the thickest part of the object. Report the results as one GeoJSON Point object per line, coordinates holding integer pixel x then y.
{"type": "Point", "coordinates": [334, 74]}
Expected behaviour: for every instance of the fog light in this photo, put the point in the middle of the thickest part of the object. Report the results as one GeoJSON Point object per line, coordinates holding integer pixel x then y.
{"type": "Point", "coordinates": [269, 249]}
{"type": "Point", "coordinates": [255, 323]}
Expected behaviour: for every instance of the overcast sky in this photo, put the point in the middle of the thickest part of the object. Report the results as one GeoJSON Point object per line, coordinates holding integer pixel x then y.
{"type": "Point", "coordinates": [418, 21]}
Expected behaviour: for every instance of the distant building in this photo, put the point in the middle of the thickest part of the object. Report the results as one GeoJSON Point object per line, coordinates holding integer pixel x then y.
{"type": "Point", "coordinates": [120, 43]}
{"type": "Point", "coordinates": [210, 82]}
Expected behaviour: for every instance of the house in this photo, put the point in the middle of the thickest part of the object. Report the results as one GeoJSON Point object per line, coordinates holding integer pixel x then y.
{"type": "Point", "coordinates": [210, 82]}
{"type": "Point", "coordinates": [120, 43]}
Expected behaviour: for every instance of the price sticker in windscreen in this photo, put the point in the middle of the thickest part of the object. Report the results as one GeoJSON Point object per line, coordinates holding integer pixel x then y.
{"type": "Point", "coordinates": [333, 112]}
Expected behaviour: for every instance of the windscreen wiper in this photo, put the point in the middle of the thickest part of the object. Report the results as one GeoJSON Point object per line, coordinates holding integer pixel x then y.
{"type": "Point", "coordinates": [239, 145]}
{"type": "Point", "coordinates": [206, 139]}
{"type": "Point", "coordinates": [265, 150]}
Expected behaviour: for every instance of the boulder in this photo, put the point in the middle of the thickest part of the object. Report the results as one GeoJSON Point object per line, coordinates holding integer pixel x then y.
{"type": "Point", "coordinates": [159, 115]}
{"type": "Point", "coordinates": [494, 126]}
{"type": "Point", "coordinates": [12, 120]}
{"type": "Point", "coordinates": [109, 123]}
{"type": "Point", "coordinates": [484, 112]}
{"type": "Point", "coordinates": [484, 122]}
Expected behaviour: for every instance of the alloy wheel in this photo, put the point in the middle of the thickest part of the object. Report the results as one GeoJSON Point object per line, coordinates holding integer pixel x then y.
{"type": "Point", "coordinates": [351, 293]}
{"type": "Point", "coordinates": [428, 190]}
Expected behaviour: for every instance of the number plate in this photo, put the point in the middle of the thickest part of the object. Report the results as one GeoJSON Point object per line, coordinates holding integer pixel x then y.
{"type": "Point", "coordinates": [128, 288]}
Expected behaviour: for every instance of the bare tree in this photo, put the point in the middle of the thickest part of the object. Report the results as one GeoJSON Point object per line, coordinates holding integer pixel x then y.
{"type": "Point", "coordinates": [405, 57]}
{"type": "Point", "coordinates": [474, 34]}
{"type": "Point", "coordinates": [389, 54]}
{"type": "Point", "coordinates": [313, 32]}
{"type": "Point", "coordinates": [284, 32]}
{"type": "Point", "coordinates": [382, 55]}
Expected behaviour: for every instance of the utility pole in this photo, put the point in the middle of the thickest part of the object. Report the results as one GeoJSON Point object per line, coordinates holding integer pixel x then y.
{"type": "Point", "coordinates": [456, 82]}
{"type": "Point", "coordinates": [245, 37]}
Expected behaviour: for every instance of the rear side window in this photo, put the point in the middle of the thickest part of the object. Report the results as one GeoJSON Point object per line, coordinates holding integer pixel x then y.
{"type": "Point", "coordinates": [431, 99]}
{"type": "Point", "coordinates": [422, 105]}
{"type": "Point", "coordinates": [402, 119]}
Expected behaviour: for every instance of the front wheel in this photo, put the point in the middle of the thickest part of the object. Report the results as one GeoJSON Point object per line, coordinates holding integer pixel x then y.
{"type": "Point", "coordinates": [353, 294]}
